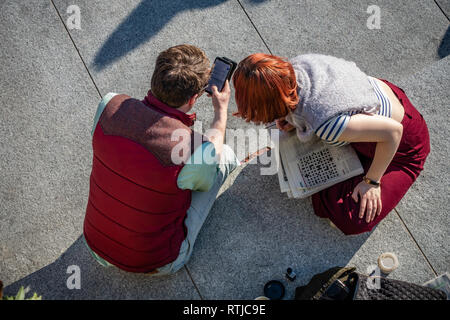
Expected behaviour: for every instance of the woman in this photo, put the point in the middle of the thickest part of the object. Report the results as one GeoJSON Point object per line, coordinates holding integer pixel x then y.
{"type": "Point", "coordinates": [332, 99]}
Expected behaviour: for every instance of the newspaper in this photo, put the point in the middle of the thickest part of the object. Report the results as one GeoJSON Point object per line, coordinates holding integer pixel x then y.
{"type": "Point", "coordinates": [441, 282]}
{"type": "Point", "coordinates": [307, 168]}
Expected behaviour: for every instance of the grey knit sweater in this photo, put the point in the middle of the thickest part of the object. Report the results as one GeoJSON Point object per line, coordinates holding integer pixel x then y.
{"type": "Point", "coordinates": [328, 86]}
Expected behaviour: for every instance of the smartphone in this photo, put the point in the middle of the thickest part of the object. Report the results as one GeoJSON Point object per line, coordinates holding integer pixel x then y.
{"type": "Point", "coordinates": [223, 68]}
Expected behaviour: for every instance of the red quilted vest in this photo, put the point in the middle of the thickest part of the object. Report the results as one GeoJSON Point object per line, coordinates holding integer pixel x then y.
{"type": "Point", "coordinates": [135, 213]}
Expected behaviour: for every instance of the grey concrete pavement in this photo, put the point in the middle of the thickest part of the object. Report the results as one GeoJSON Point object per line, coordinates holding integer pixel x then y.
{"type": "Point", "coordinates": [409, 34]}
{"type": "Point", "coordinates": [254, 233]}
{"type": "Point", "coordinates": [47, 105]}
{"type": "Point", "coordinates": [425, 207]}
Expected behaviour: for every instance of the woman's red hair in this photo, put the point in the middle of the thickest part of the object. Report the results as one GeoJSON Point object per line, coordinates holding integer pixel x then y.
{"type": "Point", "coordinates": [265, 88]}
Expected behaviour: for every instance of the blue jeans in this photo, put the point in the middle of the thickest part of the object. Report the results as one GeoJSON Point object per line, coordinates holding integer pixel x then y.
{"type": "Point", "coordinates": [201, 204]}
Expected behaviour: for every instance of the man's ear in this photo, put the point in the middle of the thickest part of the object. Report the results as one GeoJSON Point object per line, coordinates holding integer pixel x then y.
{"type": "Point", "coordinates": [192, 100]}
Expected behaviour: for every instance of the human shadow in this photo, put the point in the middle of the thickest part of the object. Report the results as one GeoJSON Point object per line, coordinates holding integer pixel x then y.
{"type": "Point", "coordinates": [254, 233]}
{"type": "Point", "coordinates": [444, 46]}
{"type": "Point", "coordinates": [251, 236]}
{"type": "Point", "coordinates": [144, 22]}
{"type": "Point", "coordinates": [97, 282]}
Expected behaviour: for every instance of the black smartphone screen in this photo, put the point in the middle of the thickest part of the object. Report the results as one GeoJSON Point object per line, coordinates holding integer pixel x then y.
{"type": "Point", "coordinates": [218, 75]}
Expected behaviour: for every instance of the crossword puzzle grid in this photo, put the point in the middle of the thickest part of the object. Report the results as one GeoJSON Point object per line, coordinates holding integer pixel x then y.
{"type": "Point", "coordinates": [317, 167]}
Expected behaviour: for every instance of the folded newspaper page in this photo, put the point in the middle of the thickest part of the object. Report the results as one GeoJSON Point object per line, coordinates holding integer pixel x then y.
{"type": "Point", "coordinates": [441, 282]}
{"type": "Point", "coordinates": [307, 168]}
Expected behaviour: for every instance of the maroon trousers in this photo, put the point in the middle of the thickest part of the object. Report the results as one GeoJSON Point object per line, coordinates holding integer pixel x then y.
{"type": "Point", "coordinates": [336, 202]}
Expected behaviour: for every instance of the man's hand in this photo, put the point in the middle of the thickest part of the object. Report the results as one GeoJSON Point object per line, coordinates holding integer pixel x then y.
{"type": "Point", "coordinates": [221, 99]}
{"type": "Point", "coordinates": [370, 200]}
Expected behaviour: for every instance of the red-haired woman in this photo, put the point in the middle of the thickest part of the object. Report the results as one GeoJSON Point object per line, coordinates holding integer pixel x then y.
{"type": "Point", "coordinates": [332, 99]}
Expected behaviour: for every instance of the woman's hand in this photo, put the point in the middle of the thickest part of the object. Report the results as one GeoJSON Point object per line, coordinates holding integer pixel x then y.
{"type": "Point", "coordinates": [283, 125]}
{"type": "Point", "coordinates": [370, 200]}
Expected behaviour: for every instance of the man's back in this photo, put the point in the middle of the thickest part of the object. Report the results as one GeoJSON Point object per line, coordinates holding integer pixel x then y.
{"type": "Point", "coordinates": [135, 213]}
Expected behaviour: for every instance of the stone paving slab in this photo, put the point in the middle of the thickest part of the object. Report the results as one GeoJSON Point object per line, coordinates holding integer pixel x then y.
{"type": "Point", "coordinates": [425, 207]}
{"type": "Point", "coordinates": [254, 234]}
{"type": "Point", "coordinates": [47, 105]}
{"type": "Point", "coordinates": [408, 38]}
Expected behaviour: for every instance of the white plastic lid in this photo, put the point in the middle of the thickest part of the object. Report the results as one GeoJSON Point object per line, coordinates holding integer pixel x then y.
{"type": "Point", "coordinates": [388, 262]}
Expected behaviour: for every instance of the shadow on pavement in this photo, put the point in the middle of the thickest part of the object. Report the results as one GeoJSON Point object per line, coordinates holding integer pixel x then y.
{"type": "Point", "coordinates": [254, 233]}
{"type": "Point", "coordinates": [444, 46]}
{"type": "Point", "coordinates": [97, 282]}
{"type": "Point", "coordinates": [145, 21]}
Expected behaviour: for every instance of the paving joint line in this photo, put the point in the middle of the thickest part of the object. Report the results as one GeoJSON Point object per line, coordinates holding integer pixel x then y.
{"type": "Point", "coordinates": [417, 244]}
{"type": "Point", "coordinates": [442, 10]}
{"type": "Point", "coordinates": [256, 29]}
{"type": "Point", "coordinates": [76, 48]}
{"type": "Point", "coordinates": [193, 282]}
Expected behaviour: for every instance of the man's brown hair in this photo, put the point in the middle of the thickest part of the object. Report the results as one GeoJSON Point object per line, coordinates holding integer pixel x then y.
{"type": "Point", "coordinates": [180, 73]}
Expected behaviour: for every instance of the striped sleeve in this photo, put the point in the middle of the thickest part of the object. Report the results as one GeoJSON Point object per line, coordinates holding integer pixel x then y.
{"type": "Point", "coordinates": [386, 108]}
{"type": "Point", "coordinates": [331, 130]}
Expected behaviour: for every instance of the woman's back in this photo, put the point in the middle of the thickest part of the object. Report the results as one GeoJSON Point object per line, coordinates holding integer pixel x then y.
{"type": "Point", "coordinates": [397, 108]}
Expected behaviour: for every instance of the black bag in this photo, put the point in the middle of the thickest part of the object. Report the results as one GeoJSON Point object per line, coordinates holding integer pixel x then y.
{"type": "Point", "coordinates": [341, 283]}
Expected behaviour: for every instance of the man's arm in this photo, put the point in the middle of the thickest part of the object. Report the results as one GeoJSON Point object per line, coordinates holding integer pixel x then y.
{"type": "Point", "coordinates": [220, 102]}
{"type": "Point", "coordinates": [200, 177]}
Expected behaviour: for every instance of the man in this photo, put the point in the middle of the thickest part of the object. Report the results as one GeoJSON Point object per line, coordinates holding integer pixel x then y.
{"type": "Point", "coordinates": [147, 200]}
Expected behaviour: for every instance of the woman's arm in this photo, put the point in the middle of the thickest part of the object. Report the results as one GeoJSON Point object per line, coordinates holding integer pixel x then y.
{"type": "Point", "coordinates": [374, 128]}
{"type": "Point", "coordinates": [387, 133]}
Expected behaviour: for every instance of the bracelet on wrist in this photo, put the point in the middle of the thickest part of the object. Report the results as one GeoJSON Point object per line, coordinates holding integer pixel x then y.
{"type": "Point", "coordinates": [371, 182]}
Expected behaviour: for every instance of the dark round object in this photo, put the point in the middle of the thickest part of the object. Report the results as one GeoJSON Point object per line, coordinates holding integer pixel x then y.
{"type": "Point", "coordinates": [274, 290]}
